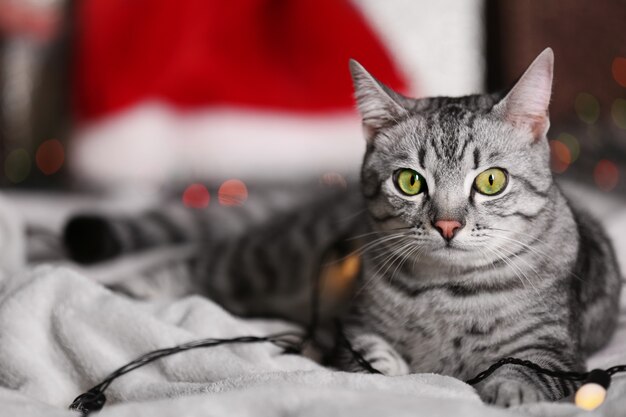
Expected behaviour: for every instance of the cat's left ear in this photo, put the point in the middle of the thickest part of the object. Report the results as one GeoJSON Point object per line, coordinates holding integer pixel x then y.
{"type": "Point", "coordinates": [379, 105]}
{"type": "Point", "coordinates": [526, 104]}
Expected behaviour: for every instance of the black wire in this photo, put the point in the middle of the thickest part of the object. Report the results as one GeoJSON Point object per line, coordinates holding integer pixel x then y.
{"type": "Point", "coordinates": [616, 369]}
{"type": "Point", "coordinates": [572, 376]}
{"type": "Point", "coordinates": [365, 364]}
{"type": "Point", "coordinates": [94, 399]}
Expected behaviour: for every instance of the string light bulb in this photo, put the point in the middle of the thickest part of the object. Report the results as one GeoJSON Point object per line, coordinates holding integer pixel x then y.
{"type": "Point", "coordinates": [592, 393]}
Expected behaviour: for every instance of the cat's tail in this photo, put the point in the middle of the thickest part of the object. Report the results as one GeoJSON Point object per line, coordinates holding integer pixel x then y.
{"type": "Point", "coordinates": [99, 236]}
{"type": "Point", "coordinates": [95, 237]}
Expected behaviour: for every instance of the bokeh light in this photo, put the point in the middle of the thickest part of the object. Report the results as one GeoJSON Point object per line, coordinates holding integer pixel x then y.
{"type": "Point", "coordinates": [618, 111]}
{"type": "Point", "coordinates": [338, 277]}
{"type": "Point", "coordinates": [572, 145]}
{"type": "Point", "coordinates": [606, 175]}
{"type": "Point", "coordinates": [17, 166]}
{"type": "Point", "coordinates": [50, 156]}
{"type": "Point", "coordinates": [196, 196]}
{"type": "Point", "coordinates": [587, 108]}
{"type": "Point", "coordinates": [560, 156]}
{"type": "Point", "coordinates": [333, 179]}
{"type": "Point", "coordinates": [619, 70]}
{"type": "Point", "coordinates": [232, 193]}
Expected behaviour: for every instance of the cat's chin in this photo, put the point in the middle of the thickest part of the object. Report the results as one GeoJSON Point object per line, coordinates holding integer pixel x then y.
{"type": "Point", "coordinates": [458, 256]}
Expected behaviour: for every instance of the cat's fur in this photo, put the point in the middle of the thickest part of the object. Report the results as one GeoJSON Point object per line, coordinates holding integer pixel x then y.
{"type": "Point", "coordinates": [526, 276]}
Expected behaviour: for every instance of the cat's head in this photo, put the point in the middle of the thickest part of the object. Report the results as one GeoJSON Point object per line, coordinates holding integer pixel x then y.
{"type": "Point", "coordinates": [465, 177]}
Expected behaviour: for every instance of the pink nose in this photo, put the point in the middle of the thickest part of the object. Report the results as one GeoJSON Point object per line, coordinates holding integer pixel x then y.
{"type": "Point", "coordinates": [448, 228]}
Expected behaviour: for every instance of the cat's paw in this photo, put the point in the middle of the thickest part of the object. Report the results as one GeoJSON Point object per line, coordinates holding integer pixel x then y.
{"type": "Point", "coordinates": [381, 356]}
{"type": "Point", "coordinates": [388, 362]}
{"type": "Point", "coordinates": [510, 392]}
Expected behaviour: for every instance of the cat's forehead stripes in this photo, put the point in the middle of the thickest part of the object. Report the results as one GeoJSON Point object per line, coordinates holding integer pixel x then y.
{"type": "Point", "coordinates": [444, 126]}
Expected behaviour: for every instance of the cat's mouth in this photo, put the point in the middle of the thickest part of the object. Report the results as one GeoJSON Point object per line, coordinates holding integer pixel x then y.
{"type": "Point", "coordinates": [451, 246]}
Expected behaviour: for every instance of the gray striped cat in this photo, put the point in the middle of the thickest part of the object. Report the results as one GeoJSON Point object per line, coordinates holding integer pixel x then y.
{"type": "Point", "coordinates": [472, 252]}
{"type": "Point", "coordinates": [485, 258]}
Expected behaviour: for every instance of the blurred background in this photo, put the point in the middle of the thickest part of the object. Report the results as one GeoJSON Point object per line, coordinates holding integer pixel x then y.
{"type": "Point", "coordinates": [205, 96]}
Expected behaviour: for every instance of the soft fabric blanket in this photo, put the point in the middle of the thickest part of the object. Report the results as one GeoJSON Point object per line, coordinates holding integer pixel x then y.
{"type": "Point", "coordinates": [61, 333]}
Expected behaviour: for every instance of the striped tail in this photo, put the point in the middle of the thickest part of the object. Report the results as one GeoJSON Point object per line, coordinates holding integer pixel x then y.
{"type": "Point", "coordinates": [91, 238]}
{"type": "Point", "coordinates": [260, 259]}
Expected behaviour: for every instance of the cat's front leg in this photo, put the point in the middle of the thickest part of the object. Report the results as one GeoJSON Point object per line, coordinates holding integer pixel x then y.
{"type": "Point", "coordinates": [514, 384]}
{"type": "Point", "coordinates": [378, 353]}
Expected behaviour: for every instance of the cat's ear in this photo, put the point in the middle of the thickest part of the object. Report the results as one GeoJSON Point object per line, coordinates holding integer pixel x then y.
{"type": "Point", "coordinates": [526, 104]}
{"type": "Point", "coordinates": [378, 104]}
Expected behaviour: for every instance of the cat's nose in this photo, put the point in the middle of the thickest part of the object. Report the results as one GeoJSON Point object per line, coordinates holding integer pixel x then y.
{"type": "Point", "coordinates": [448, 228]}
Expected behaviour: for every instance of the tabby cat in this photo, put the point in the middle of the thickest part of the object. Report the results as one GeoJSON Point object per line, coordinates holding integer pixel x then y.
{"type": "Point", "coordinates": [472, 252]}
{"type": "Point", "coordinates": [493, 260]}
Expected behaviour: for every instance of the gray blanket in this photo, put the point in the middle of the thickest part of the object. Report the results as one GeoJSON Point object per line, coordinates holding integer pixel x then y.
{"type": "Point", "coordinates": [61, 332]}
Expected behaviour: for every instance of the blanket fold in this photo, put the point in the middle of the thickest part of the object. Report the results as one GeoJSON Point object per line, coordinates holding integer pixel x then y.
{"type": "Point", "coordinates": [61, 333]}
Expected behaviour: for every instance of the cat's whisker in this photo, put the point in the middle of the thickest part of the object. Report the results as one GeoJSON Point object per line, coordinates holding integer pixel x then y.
{"type": "Point", "coordinates": [384, 253]}
{"type": "Point", "coordinates": [403, 258]}
{"type": "Point", "coordinates": [539, 299]}
{"type": "Point", "coordinates": [417, 256]}
{"type": "Point", "coordinates": [510, 253]}
{"type": "Point", "coordinates": [397, 254]}
{"type": "Point", "coordinates": [507, 262]}
{"type": "Point", "coordinates": [391, 253]}
{"type": "Point", "coordinates": [378, 232]}
{"type": "Point", "coordinates": [533, 250]}
{"type": "Point", "coordinates": [368, 247]}
{"type": "Point", "coordinates": [386, 249]}
{"type": "Point", "coordinates": [409, 254]}
{"type": "Point", "coordinates": [353, 215]}
{"type": "Point", "coordinates": [533, 237]}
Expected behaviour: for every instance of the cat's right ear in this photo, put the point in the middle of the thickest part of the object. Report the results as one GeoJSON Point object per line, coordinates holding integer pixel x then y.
{"type": "Point", "coordinates": [378, 104]}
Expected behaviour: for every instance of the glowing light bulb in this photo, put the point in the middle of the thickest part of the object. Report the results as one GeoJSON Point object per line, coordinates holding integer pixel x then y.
{"type": "Point", "coordinates": [606, 175]}
{"type": "Point", "coordinates": [232, 193]}
{"type": "Point", "coordinates": [587, 107]}
{"type": "Point", "coordinates": [619, 70]}
{"type": "Point", "coordinates": [590, 396]}
{"type": "Point", "coordinates": [593, 392]}
{"type": "Point", "coordinates": [572, 144]}
{"type": "Point", "coordinates": [561, 157]}
{"type": "Point", "coordinates": [50, 156]}
{"type": "Point", "coordinates": [196, 196]}
{"type": "Point", "coordinates": [618, 111]}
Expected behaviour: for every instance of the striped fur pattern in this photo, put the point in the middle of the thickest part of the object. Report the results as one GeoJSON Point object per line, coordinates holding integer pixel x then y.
{"type": "Point", "coordinates": [260, 259]}
{"type": "Point", "coordinates": [527, 275]}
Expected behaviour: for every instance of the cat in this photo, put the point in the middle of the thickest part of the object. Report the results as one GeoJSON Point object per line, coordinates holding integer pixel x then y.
{"type": "Point", "coordinates": [485, 257]}
{"type": "Point", "coordinates": [471, 251]}
{"type": "Point", "coordinates": [262, 258]}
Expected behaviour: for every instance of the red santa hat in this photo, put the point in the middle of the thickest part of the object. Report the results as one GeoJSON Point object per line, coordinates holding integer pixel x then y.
{"type": "Point", "coordinates": [271, 54]}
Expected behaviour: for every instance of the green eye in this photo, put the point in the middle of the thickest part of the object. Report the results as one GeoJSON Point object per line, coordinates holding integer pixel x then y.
{"type": "Point", "coordinates": [409, 182]}
{"type": "Point", "coordinates": [491, 182]}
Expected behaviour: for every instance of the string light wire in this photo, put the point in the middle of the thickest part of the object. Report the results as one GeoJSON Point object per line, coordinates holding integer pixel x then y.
{"type": "Point", "coordinates": [294, 342]}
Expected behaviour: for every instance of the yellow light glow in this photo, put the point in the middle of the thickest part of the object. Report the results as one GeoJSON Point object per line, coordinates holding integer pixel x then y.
{"type": "Point", "coordinates": [338, 277]}
{"type": "Point", "coordinates": [590, 396]}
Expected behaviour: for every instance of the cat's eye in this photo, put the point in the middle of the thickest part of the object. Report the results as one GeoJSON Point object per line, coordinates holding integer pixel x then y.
{"type": "Point", "coordinates": [409, 182]}
{"type": "Point", "coordinates": [491, 182]}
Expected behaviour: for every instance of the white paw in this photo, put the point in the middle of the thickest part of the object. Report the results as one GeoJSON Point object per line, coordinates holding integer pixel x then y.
{"type": "Point", "coordinates": [510, 392]}
{"type": "Point", "coordinates": [381, 356]}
